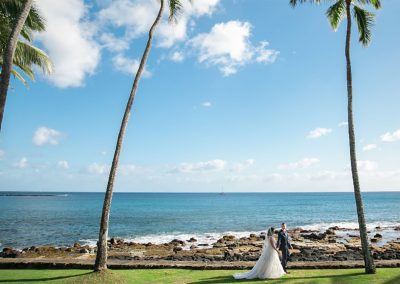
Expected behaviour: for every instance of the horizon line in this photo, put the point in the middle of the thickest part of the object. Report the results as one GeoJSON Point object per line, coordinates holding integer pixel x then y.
{"type": "Point", "coordinates": [219, 192]}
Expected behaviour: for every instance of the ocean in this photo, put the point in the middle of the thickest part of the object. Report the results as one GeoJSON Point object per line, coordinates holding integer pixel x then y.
{"type": "Point", "coordinates": [61, 219]}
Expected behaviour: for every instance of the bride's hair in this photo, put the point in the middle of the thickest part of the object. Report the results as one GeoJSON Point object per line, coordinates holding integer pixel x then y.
{"type": "Point", "coordinates": [271, 231]}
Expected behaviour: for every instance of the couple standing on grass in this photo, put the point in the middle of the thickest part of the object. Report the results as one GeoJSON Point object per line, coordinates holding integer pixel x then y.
{"type": "Point", "coordinates": [269, 265]}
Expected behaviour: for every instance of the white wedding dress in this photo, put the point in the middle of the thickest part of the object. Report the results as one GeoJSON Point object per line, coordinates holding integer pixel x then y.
{"type": "Point", "coordinates": [268, 266]}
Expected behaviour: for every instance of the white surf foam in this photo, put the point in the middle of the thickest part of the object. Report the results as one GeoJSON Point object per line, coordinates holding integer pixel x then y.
{"type": "Point", "coordinates": [205, 240]}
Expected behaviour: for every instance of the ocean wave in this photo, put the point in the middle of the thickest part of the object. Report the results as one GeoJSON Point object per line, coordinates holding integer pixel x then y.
{"type": "Point", "coordinates": [349, 226]}
{"type": "Point", "coordinates": [206, 240]}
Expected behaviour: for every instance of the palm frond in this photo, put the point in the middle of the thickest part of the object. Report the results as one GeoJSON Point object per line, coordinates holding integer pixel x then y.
{"type": "Point", "coordinates": [335, 13]}
{"type": "Point", "coordinates": [27, 55]}
{"type": "Point", "coordinates": [10, 10]}
{"type": "Point", "coordinates": [18, 76]}
{"type": "Point", "coordinates": [293, 3]}
{"type": "Point", "coordinates": [175, 7]}
{"type": "Point", "coordinates": [364, 21]}
{"type": "Point", "coordinates": [27, 70]}
{"type": "Point", "coordinates": [375, 3]}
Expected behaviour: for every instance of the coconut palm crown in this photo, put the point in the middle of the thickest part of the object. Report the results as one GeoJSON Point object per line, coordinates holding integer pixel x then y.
{"type": "Point", "coordinates": [26, 54]}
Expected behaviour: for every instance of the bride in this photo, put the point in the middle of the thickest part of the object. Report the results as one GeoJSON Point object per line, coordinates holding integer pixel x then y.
{"type": "Point", "coordinates": [268, 265]}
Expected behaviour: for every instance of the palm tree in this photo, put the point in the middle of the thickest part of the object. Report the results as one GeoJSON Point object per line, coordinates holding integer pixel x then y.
{"type": "Point", "coordinates": [19, 18]}
{"type": "Point", "coordinates": [101, 256]}
{"type": "Point", "coordinates": [364, 20]}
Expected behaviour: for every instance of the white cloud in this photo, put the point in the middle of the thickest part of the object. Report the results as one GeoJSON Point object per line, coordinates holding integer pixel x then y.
{"type": "Point", "coordinates": [200, 8]}
{"type": "Point", "coordinates": [212, 165]}
{"type": "Point", "coordinates": [369, 147]}
{"type": "Point", "coordinates": [127, 169]}
{"type": "Point", "coordinates": [343, 123]}
{"type": "Point", "coordinates": [170, 33]}
{"type": "Point", "coordinates": [238, 167]}
{"type": "Point", "coordinates": [391, 137]}
{"type": "Point", "coordinates": [135, 16]}
{"type": "Point", "coordinates": [98, 169]}
{"type": "Point", "coordinates": [63, 164]}
{"type": "Point", "coordinates": [69, 41]}
{"type": "Point", "coordinates": [123, 169]}
{"type": "Point", "coordinates": [318, 132]}
{"type": "Point", "coordinates": [264, 55]}
{"type": "Point", "coordinates": [127, 65]}
{"type": "Point", "coordinates": [22, 164]}
{"type": "Point", "coordinates": [206, 104]}
{"type": "Point", "coordinates": [366, 165]}
{"type": "Point", "coordinates": [112, 43]}
{"type": "Point", "coordinates": [45, 135]}
{"type": "Point", "coordinates": [304, 163]}
{"type": "Point", "coordinates": [177, 56]}
{"type": "Point", "coordinates": [228, 47]}
{"type": "Point", "coordinates": [327, 175]}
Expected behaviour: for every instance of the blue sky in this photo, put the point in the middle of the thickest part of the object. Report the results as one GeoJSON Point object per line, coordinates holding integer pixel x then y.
{"type": "Point", "coordinates": [240, 95]}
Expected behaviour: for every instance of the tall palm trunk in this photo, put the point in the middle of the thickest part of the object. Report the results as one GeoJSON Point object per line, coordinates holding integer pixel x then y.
{"type": "Point", "coordinates": [369, 263]}
{"type": "Point", "coordinates": [8, 55]}
{"type": "Point", "coordinates": [101, 257]}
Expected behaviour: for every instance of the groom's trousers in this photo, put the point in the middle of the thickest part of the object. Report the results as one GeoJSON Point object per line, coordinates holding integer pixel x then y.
{"type": "Point", "coordinates": [285, 256]}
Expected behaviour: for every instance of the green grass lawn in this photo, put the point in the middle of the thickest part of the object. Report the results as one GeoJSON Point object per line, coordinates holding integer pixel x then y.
{"type": "Point", "coordinates": [384, 275]}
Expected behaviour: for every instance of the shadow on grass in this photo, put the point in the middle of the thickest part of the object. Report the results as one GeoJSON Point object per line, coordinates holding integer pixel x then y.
{"type": "Point", "coordinates": [230, 279]}
{"type": "Point", "coordinates": [39, 280]}
{"type": "Point", "coordinates": [395, 280]}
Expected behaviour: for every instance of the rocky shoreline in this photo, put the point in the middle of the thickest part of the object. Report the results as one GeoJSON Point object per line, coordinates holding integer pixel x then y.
{"type": "Point", "coordinates": [335, 244]}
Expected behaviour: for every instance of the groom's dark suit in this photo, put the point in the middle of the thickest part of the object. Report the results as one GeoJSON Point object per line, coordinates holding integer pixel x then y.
{"type": "Point", "coordinates": [283, 245]}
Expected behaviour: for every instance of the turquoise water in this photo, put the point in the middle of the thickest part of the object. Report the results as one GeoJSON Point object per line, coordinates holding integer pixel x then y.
{"type": "Point", "coordinates": [63, 218]}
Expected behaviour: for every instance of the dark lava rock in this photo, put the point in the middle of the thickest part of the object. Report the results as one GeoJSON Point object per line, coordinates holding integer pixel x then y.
{"type": "Point", "coordinates": [374, 240]}
{"type": "Point", "coordinates": [177, 242]}
{"type": "Point", "coordinates": [192, 240]}
{"type": "Point", "coordinates": [378, 236]}
{"type": "Point", "coordinates": [77, 245]}
{"type": "Point", "coordinates": [228, 238]}
{"type": "Point", "coordinates": [314, 236]}
{"type": "Point", "coordinates": [83, 250]}
{"type": "Point", "coordinates": [176, 249]}
{"type": "Point", "coordinates": [329, 232]}
{"type": "Point", "coordinates": [9, 253]}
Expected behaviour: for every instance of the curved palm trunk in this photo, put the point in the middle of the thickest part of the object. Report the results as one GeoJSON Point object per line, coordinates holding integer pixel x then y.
{"type": "Point", "coordinates": [368, 260]}
{"type": "Point", "coordinates": [8, 55]}
{"type": "Point", "coordinates": [101, 257]}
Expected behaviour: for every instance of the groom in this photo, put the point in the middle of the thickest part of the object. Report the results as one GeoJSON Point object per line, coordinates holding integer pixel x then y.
{"type": "Point", "coordinates": [283, 245]}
